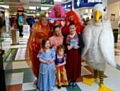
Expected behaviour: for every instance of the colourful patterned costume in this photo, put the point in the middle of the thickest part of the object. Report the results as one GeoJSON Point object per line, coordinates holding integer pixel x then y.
{"type": "Point", "coordinates": [34, 43]}
{"type": "Point", "coordinates": [61, 76]}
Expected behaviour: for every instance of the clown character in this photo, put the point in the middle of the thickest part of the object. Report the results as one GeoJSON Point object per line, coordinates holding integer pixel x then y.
{"type": "Point", "coordinates": [99, 46]}
{"type": "Point", "coordinates": [71, 16]}
{"type": "Point", "coordinates": [57, 15]}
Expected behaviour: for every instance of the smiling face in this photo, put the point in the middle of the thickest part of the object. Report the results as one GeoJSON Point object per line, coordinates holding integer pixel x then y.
{"type": "Point", "coordinates": [72, 29]}
{"type": "Point", "coordinates": [57, 31]}
{"type": "Point", "coordinates": [60, 52]}
{"type": "Point", "coordinates": [44, 21]}
{"type": "Point", "coordinates": [47, 44]}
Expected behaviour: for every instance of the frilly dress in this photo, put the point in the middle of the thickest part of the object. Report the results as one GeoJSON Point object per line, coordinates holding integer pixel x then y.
{"type": "Point", "coordinates": [46, 79]}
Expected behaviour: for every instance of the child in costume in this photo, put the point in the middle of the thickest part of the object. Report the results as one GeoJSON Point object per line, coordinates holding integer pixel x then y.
{"type": "Point", "coordinates": [71, 16]}
{"type": "Point", "coordinates": [46, 79]}
{"type": "Point", "coordinates": [73, 63]}
{"type": "Point", "coordinates": [60, 61]}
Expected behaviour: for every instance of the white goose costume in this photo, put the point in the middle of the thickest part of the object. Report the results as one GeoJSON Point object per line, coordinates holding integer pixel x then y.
{"type": "Point", "coordinates": [99, 43]}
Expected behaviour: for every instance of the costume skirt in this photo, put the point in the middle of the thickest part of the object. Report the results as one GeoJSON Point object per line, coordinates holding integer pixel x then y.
{"type": "Point", "coordinates": [61, 76]}
{"type": "Point", "coordinates": [73, 64]}
{"type": "Point", "coordinates": [46, 81]}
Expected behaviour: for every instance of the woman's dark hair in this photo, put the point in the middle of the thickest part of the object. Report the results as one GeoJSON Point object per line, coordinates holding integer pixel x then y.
{"type": "Point", "coordinates": [44, 41]}
{"type": "Point", "coordinates": [56, 26]}
{"type": "Point", "coordinates": [72, 23]}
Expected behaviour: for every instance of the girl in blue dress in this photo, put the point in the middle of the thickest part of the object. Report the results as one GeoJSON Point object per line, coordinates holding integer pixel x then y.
{"type": "Point", "coordinates": [46, 79]}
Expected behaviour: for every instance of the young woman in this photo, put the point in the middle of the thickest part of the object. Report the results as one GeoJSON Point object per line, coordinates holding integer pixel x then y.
{"type": "Point", "coordinates": [46, 79]}
{"type": "Point", "coordinates": [60, 61]}
{"type": "Point", "coordinates": [74, 46]}
{"type": "Point", "coordinates": [57, 38]}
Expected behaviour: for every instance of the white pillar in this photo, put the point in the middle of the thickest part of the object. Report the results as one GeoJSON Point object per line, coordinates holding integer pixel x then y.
{"type": "Point", "coordinates": [77, 11]}
{"type": "Point", "coordinates": [104, 2]}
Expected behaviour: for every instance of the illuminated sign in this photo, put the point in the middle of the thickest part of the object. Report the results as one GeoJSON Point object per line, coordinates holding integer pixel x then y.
{"type": "Point", "coordinates": [67, 5]}
{"type": "Point", "coordinates": [47, 2]}
{"type": "Point", "coordinates": [38, 9]}
{"type": "Point", "coordinates": [20, 9]}
{"type": "Point", "coordinates": [27, 11]}
{"type": "Point", "coordinates": [85, 3]}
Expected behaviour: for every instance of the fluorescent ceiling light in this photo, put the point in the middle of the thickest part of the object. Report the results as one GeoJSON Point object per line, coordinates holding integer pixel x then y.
{"type": "Point", "coordinates": [42, 8]}
{"type": "Point", "coordinates": [45, 8]}
{"type": "Point", "coordinates": [5, 6]}
{"type": "Point", "coordinates": [57, 0]}
{"type": "Point", "coordinates": [32, 7]}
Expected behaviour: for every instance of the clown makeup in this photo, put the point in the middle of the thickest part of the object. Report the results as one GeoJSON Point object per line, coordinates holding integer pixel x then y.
{"type": "Point", "coordinates": [71, 17]}
{"type": "Point", "coordinates": [57, 12]}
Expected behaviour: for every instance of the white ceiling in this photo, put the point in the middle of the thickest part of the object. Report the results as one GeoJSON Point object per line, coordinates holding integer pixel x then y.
{"type": "Point", "coordinates": [14, 4]}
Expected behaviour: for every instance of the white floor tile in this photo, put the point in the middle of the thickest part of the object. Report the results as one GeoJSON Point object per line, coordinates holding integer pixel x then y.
{"type": "Point", "coordinates": [17, 78]}
{"type": "Point", "coordinates": [85, 87]}
{"type": "Point", "coordinates": [20, 54]}
{"type": "Point", "coordinates": [28, 86]}
{"type": "Point", "coordinates": [18, 46]}
{"type": "Point", "coordinates": [84, 64]}
{"type": "Point", "coordinates": [113, 78]}
{"type": "Point", "coordinates": [18, 65]}
{"type": "Point", "coordinates": [117, 59]}
{"type": "Point", "coordinates": [112, 81]}
{"type": "Point", "coordinates": [85, 71]}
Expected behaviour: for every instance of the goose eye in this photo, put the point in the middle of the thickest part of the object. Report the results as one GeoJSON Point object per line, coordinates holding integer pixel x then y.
{"type": "Point", "coordinates": [104, 9]}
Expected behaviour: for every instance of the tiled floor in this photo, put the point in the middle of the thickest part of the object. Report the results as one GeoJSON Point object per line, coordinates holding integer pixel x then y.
{"type": "Point", "coordinates": [23, 78]}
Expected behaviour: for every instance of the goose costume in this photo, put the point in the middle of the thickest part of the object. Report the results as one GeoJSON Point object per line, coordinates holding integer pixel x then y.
{"type": "Point", "coordinates": [99, 45]}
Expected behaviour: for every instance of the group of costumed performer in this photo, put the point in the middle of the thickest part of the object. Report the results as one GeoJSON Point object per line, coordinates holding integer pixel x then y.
{"type": "Point", "coordinates": [40, 30]}
{"type": "Point", "coordinates": [99, 46]}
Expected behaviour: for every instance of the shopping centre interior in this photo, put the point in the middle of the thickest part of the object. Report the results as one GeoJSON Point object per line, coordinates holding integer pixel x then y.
{"type": "Point", "coordinates": [16, 75]}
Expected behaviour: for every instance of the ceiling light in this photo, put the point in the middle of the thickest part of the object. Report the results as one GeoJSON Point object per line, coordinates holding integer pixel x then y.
{"type": "Point", "coordinates": [32, 7]}
{"type": "Point", "coordinates": [4, 6]}
{"type": "Point", "coordinates": [42, 8]}
{"type": "Point", "coordinates": [57, 0]}
{"type": "Point", "coordinates": [45, 8]}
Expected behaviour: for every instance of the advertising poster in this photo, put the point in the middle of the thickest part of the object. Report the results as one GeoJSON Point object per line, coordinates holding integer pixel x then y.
{"type": "Point", "coordinates": [26, 31]}
{"type": "Point", "coordinates": [47, 2]}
